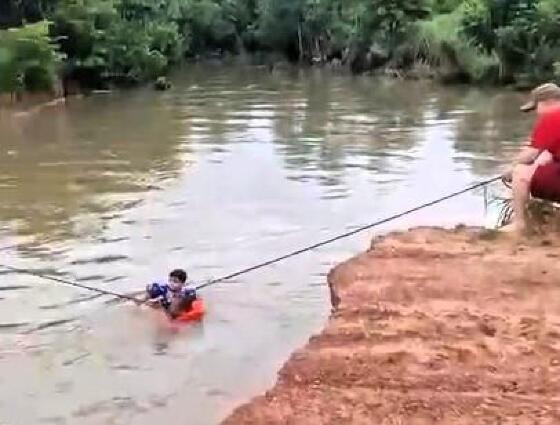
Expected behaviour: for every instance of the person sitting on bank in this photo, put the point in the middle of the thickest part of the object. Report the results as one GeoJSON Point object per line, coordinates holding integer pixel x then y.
{"type": "Point", "coordinates": [536, 170]}
{"type": "Point", "coordinates": [174, 297]}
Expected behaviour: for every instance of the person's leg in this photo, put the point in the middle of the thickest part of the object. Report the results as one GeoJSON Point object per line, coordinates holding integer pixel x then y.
{"type": "Point", "coordinates": [521, 187]}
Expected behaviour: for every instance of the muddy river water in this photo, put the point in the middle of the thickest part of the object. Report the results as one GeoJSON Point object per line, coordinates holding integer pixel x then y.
{"type": "Point", "coordinates": [230, 167]}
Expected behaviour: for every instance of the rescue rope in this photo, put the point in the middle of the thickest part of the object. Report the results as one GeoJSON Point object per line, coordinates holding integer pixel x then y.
{"type": "Point", "coordinates": [68, 282]}
{"type": "Point", "coordinates": [269, 262]}
{"type": "Point", "coordinates": [347, 234]}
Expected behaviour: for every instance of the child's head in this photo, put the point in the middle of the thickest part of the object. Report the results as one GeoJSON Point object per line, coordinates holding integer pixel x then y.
{"type": "Point", "coordinates": [177, 278]}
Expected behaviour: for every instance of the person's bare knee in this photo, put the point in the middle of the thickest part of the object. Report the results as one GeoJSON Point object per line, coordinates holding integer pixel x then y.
{"type": "Point", "coordinates": [522, 175]}
{"type": "Point", "coordinates": [544, 158]}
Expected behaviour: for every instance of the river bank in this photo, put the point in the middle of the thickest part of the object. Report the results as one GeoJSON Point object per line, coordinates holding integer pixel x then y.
{"type": "Point", "coordinates": [431, 326]}
{"type": "Point", "coordinates": [94, 46]}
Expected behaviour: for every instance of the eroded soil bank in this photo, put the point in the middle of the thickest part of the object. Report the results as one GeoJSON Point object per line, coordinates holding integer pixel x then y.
{"type": "Point", "coordinates": [433, 326]}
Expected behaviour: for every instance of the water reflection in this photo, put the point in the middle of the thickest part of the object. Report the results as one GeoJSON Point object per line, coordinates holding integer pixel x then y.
{"type": "Point", "coordinates": [63, 162]}
{"type": "Point", "coordinates": [492, 132]}
{"type": "Point", "coordinates": [98, 155]}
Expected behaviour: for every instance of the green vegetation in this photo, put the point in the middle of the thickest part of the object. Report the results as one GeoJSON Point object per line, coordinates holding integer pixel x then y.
{"type": "Point", "coordinates": [441, 43]}
{"type": "Point", "coordinates": [96, 42]}
{"type": "Point", "coordinates": [28, 60]}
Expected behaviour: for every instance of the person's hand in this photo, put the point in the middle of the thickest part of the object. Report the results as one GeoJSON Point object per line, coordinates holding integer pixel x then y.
{"type": "Point", "coordinates": [507, 177]}
{"type": "Point", "coordinates": [153, 302]}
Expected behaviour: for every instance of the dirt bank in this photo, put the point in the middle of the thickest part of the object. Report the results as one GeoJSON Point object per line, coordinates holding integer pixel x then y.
{"type": "Point", "coordinates": [433, 326]}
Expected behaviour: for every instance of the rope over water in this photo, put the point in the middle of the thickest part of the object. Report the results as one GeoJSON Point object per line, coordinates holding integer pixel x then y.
{"type": "Point", "coordinates": [68, 282]}
{"type": "Point", "coordinates": [350, 233]}
{"type": "Point", "coordinates": [274, 260]}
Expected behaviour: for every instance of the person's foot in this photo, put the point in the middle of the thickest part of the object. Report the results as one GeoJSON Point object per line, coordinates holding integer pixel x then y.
{"type": "Point", "coordinates": [514, 229]}
{"type": "Point", "coordinates": [508, 228]}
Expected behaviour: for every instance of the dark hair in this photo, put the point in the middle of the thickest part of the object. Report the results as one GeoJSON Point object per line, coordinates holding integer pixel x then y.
{"type": "Point", "coordinates": [180, 274]}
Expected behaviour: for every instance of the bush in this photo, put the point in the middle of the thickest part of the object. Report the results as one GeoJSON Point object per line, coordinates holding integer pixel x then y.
{"type": "Point", "coordinates": [548, 16]}
{"type": "Point", "coordinates": [445, 6]}
{"type": "Point", "coordinates": [126, 41]}
{"type": "Point", "coordinates": [278, 23]}
{"type": "Point", "coordinates": [28, 59]}
{"type": "Point", "coordinates": [524, 34]}
{"type": "Point", "coordinates": [136, 40]}
{"type": "Point", "coordinates": [556, 70]}
{"type": "Point", "coordinates": [442, 44]}
{"type": "Point", "coordinates": [125, 54]}
{"type": "Point", "coordinates": [208, 25]}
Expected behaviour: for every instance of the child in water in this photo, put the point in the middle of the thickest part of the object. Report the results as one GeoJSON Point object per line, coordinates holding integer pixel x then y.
{"type": "Point", "coordinates": [173, 297]}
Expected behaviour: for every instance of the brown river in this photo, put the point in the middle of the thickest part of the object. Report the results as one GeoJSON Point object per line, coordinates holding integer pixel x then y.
{"type": "Point", "coordinates": [230, 167]}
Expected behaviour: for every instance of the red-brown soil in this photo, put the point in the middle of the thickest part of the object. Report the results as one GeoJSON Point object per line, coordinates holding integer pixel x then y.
{"type": "Point", "coordinates": [433, 326]}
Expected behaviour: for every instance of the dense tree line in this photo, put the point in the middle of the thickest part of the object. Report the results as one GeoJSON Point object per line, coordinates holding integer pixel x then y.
{"type": "Point", "coordinates": [124, 41]}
